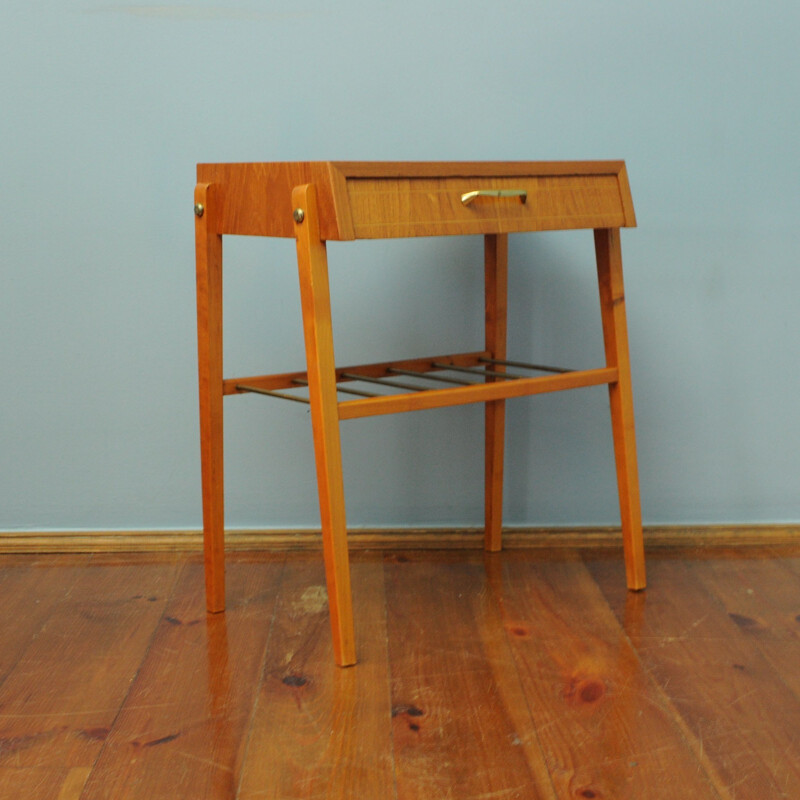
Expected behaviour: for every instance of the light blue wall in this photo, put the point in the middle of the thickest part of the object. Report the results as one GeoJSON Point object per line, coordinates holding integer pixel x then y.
{"type": "Point", "coordinates": [105, 108]}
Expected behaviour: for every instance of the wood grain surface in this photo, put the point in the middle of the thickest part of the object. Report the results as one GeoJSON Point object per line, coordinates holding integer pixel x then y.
{"type": "Point", "coordinates": [389, 198]}
{"type": "Point", "coordinates": [528, 673]}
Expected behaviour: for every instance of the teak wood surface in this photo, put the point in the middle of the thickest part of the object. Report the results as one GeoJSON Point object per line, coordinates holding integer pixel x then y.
{"type": "Point", "coordinates": [314, 202]}
{"type": "Point", "coordinates": [528, 674]}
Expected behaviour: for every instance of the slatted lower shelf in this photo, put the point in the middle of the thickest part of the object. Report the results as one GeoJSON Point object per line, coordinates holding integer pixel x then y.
{"type": "Point", "coordinates": [471, 378]}
{"type": "Point", "coordinates": [479, 393]}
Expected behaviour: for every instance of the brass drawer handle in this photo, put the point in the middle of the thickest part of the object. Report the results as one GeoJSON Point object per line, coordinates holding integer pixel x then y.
{"type": "Point", "coordinates": [468, 197]}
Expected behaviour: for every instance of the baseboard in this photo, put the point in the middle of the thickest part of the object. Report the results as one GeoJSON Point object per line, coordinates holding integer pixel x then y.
{"type": "Point", "coordinates": [98, 541]}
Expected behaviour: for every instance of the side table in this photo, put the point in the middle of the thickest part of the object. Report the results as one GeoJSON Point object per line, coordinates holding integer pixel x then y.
{"type": "Point", "coordinates": [316, 202]}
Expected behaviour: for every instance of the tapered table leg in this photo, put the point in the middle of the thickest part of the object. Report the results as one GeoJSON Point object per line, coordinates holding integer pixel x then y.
{"type": "Point", "coordinates": [209, 349]}
{"type": "Point", "coordinates": [615, 335]}
{"type": "Point", "coordinates": [315, 299]}
{"type": "Point", "coordinates": [496, 284]}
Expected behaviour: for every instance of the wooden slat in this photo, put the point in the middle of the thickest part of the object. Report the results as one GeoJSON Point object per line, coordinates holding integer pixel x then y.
{"type": "Point", "coordinates": [319, 731]}
{"type": "Point", "coordinates": [605, 728]}
{"type": "Point", "coordinates": [481, 393]}
{"type": "Point", "coordinates": [287, 380]}
{"type": "Point", "coordinates": [282, 395]}
{"type": "Point", "coordinates": [183, 729]}
{"type": "Point", "coordinates": [461, 722]}
{"type": "Point", "coordinates": [739, 714]}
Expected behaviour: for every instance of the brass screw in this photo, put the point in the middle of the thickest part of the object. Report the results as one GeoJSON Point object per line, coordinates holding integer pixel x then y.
{"type": "Point", "coordinates": [199, 208]}
{"type": "Point", "coordinates": [299, 215]}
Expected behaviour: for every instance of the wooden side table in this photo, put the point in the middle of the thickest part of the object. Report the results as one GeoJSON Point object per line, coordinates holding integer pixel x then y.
{"type": "Point", "coordinates": [319, 201]}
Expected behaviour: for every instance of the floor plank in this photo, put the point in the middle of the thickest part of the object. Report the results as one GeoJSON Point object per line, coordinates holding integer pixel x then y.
{"type": "Point", "coordinates": [522, 674]}
{"type": "Point", "coordinates": [606, 729]}
{"type": "Point", "coordinates": [30, 597]}
{"type": "Point", "coordinates": [741, 714]}
{"type": "Point", "coordinates": [461, 725]}
{"type": "Point", "coordinates": [183, 728]}
{"type": "Point", "coordinates": [321, 731]}
{"type": "Point", "coordinates": [762, 596]}
{"type": "Point", "coordinates": [60, 700]}
{"type": "Point", "coordinates": [42, 783]}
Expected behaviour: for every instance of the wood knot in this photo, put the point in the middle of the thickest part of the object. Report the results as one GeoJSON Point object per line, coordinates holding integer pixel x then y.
{"type": "Point", "coordinates": [412, 714]}
{"type": "Point", "coordinates": [746, 623]}
{"type": "Point", "coordinates": [409, 711]}
{"type": "Point", "coordinates": [295, 681]}
{"type": "Point", "coordinates": [585, 691]}
{"type": "Point", "coordinates": [94, 734]}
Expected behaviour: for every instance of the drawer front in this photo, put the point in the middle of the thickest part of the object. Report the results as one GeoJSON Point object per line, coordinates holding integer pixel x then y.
{"type": "Point", "coordinates": [400, 207]}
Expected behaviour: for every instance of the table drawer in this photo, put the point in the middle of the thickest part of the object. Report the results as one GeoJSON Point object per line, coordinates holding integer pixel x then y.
{"type": "Point", "coordinates": [430, 206]}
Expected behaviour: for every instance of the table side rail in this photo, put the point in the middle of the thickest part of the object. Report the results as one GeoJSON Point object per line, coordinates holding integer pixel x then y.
{"type": "Point", "coordinates": [289, 380]}
{"type": "Point", "coordinates": [479, 393]}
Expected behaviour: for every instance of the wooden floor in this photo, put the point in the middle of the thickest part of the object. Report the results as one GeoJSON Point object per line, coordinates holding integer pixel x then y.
{"type": "Point", "coordinates": [525, 674]}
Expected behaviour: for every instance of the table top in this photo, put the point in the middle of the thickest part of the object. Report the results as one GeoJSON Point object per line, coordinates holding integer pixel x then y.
{"type": "Point", "coordinates": [391, 199]}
